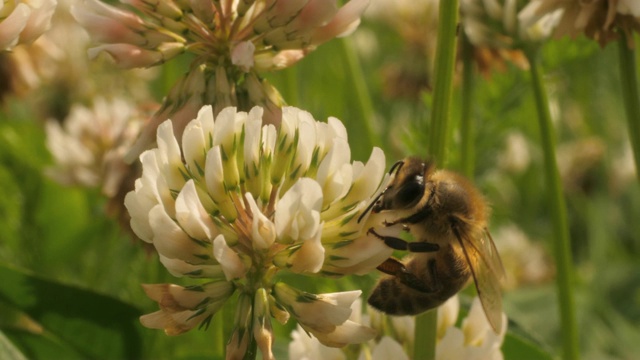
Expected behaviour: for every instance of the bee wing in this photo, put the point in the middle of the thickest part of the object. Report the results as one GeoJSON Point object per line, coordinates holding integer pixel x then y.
{"type": "Point", "coordinates": [487, 271]}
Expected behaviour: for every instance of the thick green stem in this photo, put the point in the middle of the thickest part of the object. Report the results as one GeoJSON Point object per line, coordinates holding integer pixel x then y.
{"type": "Point", "coordinates": [558, 211]}
{"type": "Point", "coordinates": [424, 346]}
{"type": "Point", "coordinates": [443, 87]}
{"type": "Point", "coordinates": [467, 131]}
{"type": "Point", "coordinates": [426, 324]}
{"type": "Point", "coordinates": [364, 104]}
{"type": "Point", "coordinates": [630, 96]}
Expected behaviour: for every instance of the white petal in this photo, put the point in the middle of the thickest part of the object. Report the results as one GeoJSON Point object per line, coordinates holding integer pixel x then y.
{"type": "Point", "coordinates": [321, 312]}
{"type": "Point", "coordinates": [194, 147]}
{"type": "Point", "coordinates": [263, 231]}
{"type": "Point", "coordinates": [476, 326]}
{"type": "Point", "coordinates": [170, 156]}
{"type": "Point", "coordinates": [451, 346]}
{"type": "Point", "coordinates": [12, 25]}
{"type": "Point", "coordinates": [171, 241]}
{"type": "Point", "coordinates": [297, 215]}
{"type": "Point", "coordinates": [242, 55]}
{"type": "Point", "coordinates": [310, 257]}
{"type": "Point", "coordinates": [213, 173]}
{"type": "Point", "coordinates": [225, 123]}
{"type": "Point", "coordinates": [180, 268]}
{"type": "Point", "coordinates": [448, 314]}
{"type": "Point", "coordinates": [388, 348]}
{"type": "Point", "coordinates": [252, 144]}
{"type": "Point", "coordinates": [368, 178]}
{"type": "Point", "coordinates": [232, 265]}
{"type": "Point", "coordinates": [192, 216]}
{"type": "Point", "coordinates": [205, 117]}
{"type": "Point", "coordinates": [345, 334]}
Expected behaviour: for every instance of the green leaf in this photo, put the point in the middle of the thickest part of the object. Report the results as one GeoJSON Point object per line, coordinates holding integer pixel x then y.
{"type": "Point", "coordinates": [45, 319]}
{"type": "Point", "coordinates": [519, 347]}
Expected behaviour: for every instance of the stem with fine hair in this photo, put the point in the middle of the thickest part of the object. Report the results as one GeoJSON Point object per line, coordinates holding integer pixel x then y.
{"type": "Point", "coordinates": [630, 96]}
{"type": "Point", "coordinates": [558, 208]}
{"type": "Point", "coordinates": [426, 324]}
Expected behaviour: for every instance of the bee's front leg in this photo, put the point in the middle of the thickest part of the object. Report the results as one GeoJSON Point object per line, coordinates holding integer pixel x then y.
{"type": "Point", "coordinates": [399, 244]}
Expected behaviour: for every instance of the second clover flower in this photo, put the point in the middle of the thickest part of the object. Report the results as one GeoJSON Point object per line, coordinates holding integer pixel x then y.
{"type": "Point", "coordinates": [240, 202]}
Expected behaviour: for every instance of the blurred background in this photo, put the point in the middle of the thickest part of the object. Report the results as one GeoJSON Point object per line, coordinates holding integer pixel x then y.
{"type": "Point", "coordinates": [67, 255]}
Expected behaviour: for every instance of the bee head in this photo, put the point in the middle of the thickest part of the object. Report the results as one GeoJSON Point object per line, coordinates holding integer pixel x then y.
{"type": "Point", "coordinates": [406, 188]}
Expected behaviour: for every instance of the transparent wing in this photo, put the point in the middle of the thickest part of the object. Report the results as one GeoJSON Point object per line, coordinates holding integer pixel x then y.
{"type": "Point", "coordinates": [487, 271]}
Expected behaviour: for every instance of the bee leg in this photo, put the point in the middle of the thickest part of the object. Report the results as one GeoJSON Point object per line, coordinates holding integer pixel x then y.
{"type": "Point", "coordinates": [399, 244]}
{"type": "Point", "coordinates": [395, 268]}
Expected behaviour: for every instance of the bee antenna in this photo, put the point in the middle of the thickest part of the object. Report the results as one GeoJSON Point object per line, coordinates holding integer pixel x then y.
{"type": "Point", "coordinates": [395, 167]}
{"type": "Point", "coordinates": [371, 205]}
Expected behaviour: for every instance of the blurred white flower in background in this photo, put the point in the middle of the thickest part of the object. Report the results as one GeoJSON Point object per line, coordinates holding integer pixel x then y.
{"type": "Point", "coordinates": [507, 24]}
{"type": "Point", "coordinates": [240, 202]}
{"type": "Point", "coordinates": [599, 20]}
{"type": "Point", "coordinates": [88, 146]}
{"type": "Point", "coordinates": [526, 261]}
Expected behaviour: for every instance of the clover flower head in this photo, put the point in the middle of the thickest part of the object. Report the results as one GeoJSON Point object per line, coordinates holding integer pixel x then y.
{"type": "Point", "coordinates": [89, 146]}
{"type": "Point", "coordinates": [240, 202]}
{"type": "Point", "coordinates": [233, 41]}
{"type": "Point", "coordinates": [507, 24]}
{"type": "Point", "coordinates": [23, 21]}
{"type": "Point", "coordinates": [597, 19]}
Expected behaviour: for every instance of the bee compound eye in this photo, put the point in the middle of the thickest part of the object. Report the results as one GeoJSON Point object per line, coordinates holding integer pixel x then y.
{"type": "Point", "coordinates": [410, 192]}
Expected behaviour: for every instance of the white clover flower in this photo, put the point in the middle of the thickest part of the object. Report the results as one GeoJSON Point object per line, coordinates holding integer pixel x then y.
{"type": "Point", "coordinates": [240, 202]}
{"type": "Point", "coordinates": [474, 340]}
{"type": "Point", "coordinates": [507, 24]}
{"type": "Point", "coordinates": [232, 42]}
{"type": "Point", "coordinates": [600, 20]}
{"type": "Point", "coordinates": [88, 148]}
{"type": "Point", "coordinates": [23, 21]}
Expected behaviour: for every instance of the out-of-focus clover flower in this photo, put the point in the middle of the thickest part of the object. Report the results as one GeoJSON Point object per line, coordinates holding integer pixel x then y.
{"type": "Point", "coordinates": [599, 20]}
{"type": "Point", "coordinates": [23, 21]}
{"type": "Point", "coordinates": [240, 202]}
{"type": "Point", "coordinates": [53, 73]}
{"type": "Point", "coordinates": [416, 23]}
{"type": "Point", "coordinates": [474, 340]}
{"type": "Point", "coordinates": [506, 24]}
{"type": "Point", "coordinates": [527, 262]}
{"type": "Point", "coordinates": [89, 147]}
{"type": "Point", "coordinates": [233, 41]}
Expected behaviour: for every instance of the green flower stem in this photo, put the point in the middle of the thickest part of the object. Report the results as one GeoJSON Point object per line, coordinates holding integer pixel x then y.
{"type": "Point", "coordinates": [467, 131]}
{"type": "Point", "coordinates": [443, 87]}
{"type": "Point", "coordinates": [424, 346]}
{"type": "Point", "coordinates": [426, 324]}
{"type": "Point", "coordinates": [630, 96]}
{"type": "Point", "coordinates": [365, 106]}
{"type": "Point", "coordinates": [558, 208]}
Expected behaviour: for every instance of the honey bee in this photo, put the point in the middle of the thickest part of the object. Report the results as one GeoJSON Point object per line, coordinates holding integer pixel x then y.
{"type": "Point", "coordinates": [447, 217]}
